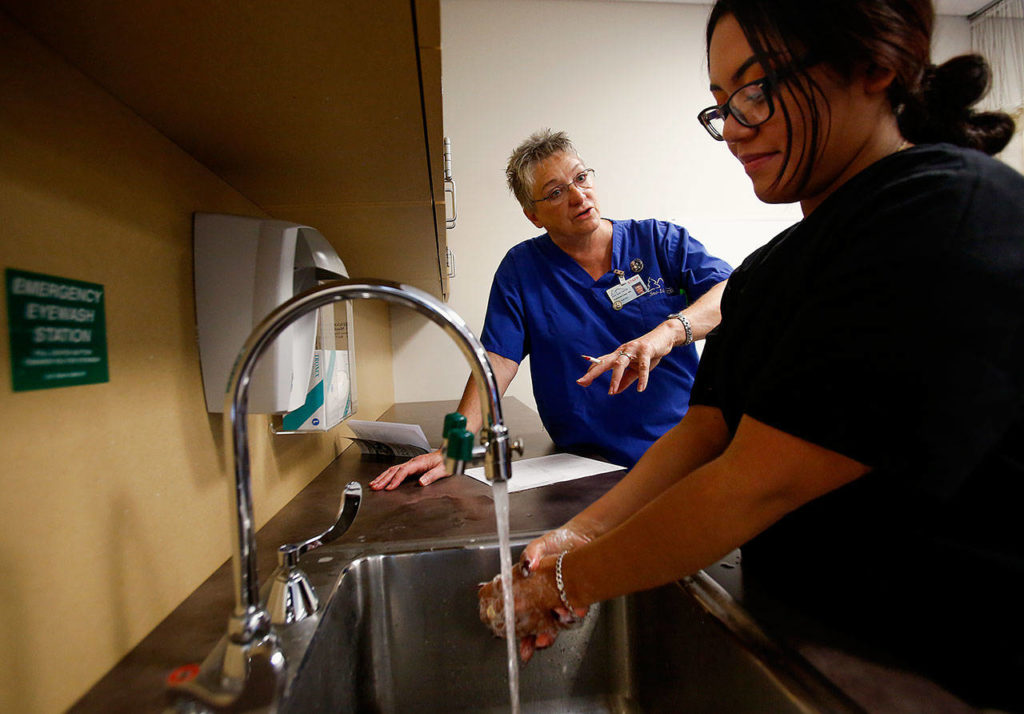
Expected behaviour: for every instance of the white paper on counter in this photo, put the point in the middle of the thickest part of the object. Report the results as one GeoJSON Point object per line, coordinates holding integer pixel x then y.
{"type": "Point", "coordinates": [546, 470]}
{"type": "Point", "coordinates": [390, 435]}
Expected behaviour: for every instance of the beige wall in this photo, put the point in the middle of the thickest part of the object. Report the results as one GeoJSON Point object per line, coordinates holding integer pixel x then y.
{"type": "Point", "coordinates": [114, 507]}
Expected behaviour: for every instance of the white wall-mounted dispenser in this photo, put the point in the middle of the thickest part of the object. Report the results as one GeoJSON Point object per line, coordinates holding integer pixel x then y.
{"type": "Point", "coordinates": [244, 268]}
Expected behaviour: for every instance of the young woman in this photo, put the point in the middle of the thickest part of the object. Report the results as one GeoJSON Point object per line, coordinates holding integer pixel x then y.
{"type": "Point", "coordinates": [857, 423]}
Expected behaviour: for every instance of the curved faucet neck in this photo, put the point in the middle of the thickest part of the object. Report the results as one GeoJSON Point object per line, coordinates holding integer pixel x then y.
{"type": "Point", "coordinates": [247, 624]}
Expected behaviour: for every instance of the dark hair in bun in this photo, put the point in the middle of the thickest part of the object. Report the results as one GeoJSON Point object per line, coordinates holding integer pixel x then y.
{"type": "Point", "coordinates": [939, 107]}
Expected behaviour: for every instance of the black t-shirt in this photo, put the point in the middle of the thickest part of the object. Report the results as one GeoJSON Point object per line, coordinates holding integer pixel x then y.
{"type": "Point", "coordinates": [887, 326]}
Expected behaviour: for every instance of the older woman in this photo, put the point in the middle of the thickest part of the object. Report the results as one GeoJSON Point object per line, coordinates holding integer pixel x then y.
{"type": "Point", "coordinates": [646, 288]}
{"type": "Point", "coordinates": [858, 416]}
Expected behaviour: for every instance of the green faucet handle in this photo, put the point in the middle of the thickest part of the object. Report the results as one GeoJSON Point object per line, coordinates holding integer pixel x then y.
{"type": "Point", "coordinates": [454, 420]}
{"type": "Point", "coordinates": [460, 445]}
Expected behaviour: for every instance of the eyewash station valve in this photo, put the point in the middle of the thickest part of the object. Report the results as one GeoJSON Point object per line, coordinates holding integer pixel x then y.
{"type": "Point", "coordinates": [495, 450]}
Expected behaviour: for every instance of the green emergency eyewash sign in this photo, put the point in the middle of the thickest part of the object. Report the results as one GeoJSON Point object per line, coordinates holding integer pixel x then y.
{"type": "Point", "coordinates": [58, 331]}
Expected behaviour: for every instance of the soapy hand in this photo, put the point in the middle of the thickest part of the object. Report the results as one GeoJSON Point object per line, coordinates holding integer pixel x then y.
{"type": "Point", "coordinates": [430, 465]}
{"type": "Point", "coordinates": [539, 615]}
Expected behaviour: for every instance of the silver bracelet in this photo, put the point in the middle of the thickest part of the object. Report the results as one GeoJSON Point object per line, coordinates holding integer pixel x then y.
{"type": "Point", "coordinates": [560, 584]}
{"type": "Point", "coordinates": [686, 326]}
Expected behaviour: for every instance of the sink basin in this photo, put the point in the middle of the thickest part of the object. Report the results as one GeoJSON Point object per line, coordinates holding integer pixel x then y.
{"type": "Point", "coordinates": [401, 634]}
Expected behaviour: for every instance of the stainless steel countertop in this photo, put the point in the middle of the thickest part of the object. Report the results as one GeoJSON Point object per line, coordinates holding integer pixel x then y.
{"type": "Point", "coordinates": [457, 507]}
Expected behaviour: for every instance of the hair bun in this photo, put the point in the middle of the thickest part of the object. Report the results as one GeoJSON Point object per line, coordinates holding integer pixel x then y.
{"type": "Point", "coordinates": [956, 85]}
{"type": "Point", "coordinates": [940, 109]}
{"type": "Point", "coordinates": [990, 131]}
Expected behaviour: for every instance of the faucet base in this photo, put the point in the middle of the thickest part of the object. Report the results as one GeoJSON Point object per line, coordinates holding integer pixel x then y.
{"type": "Point", "coordinates": [213, 692]}
{"type": "Point", "coordinates": [291, 597]}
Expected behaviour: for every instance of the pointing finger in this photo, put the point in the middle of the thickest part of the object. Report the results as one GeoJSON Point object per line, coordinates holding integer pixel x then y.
{"type": "Point", "coordinates": [643, 372]}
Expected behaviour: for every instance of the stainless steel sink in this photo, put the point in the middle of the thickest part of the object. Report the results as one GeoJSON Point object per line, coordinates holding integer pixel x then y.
{"type": "Point", "coordinates": [401, 634]}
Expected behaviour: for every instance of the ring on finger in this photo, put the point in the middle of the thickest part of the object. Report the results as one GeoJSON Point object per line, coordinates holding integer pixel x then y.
{"type": "Point", "coordinates": [627, 355]}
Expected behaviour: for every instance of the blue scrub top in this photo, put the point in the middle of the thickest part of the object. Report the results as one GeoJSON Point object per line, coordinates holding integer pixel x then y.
{"type": "Point", "coordinates": [544, 304]}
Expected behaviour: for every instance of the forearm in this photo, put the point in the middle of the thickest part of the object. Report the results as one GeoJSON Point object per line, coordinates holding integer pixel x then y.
{"type": "Point", "coordinates": [763, 475]}
{"type": "Point", "coordinates": [696, 440]}
{"type": "Point", "coordinates": [645, 352]}
{"type": "Point", "coordinates": [687, 528]}
{"type": "Point", "coordinates": [704, 315]}
{"type": "Point", "coordinates": [469, 406]}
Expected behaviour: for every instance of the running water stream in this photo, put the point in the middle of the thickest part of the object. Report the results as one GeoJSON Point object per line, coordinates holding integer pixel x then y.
{"type": "Point", "coordinates": [502, 517]}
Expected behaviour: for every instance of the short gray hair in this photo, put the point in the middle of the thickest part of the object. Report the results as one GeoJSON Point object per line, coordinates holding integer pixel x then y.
{"type": "Point", "coordinates": [541, 145]}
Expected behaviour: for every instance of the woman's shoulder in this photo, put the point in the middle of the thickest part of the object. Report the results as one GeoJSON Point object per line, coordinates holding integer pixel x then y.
{"type": "Point", "coordinates": [926, 190]}
{"type": "Point", "coordinates": [948, 166]}
{"type": "Point", "coordinates": [931, 208]}
{"type": "Point", "coordinates": [650, 232]}
{"type": "Point", "coordinates": [530, 248]}
{"type": "Point", "coordinates": [957, 187]}
{"type": "Point", "coordinates": [646, 226]}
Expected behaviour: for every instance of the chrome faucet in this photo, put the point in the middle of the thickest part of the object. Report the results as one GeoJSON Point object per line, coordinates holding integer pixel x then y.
{"type": "Point", "coordinates": [252, 671]}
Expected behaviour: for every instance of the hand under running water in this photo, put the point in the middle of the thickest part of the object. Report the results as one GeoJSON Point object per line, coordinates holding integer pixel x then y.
{"type": "Point", "coordinates": [539, 614]}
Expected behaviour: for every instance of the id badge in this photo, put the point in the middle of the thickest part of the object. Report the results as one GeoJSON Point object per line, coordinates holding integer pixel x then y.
{"type": "Point", "coordinates": [626, 292]}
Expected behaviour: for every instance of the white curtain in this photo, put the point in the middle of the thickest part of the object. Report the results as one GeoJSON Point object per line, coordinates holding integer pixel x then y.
{"type": "Point", "coordinates": [997, 33]}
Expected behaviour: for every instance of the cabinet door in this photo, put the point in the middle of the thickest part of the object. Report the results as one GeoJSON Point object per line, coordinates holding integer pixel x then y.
{"type": "Point", "coordinates": [323, 113]}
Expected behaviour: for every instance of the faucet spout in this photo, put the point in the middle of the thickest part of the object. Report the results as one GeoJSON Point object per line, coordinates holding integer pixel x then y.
{"type": "Point", "coordinates": [236, 406]}
{"type": "Point", "coordinates": [249, 627]}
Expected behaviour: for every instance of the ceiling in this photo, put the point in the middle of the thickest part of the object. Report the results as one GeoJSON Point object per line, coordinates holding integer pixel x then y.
{"type": "Point", "coordinates": [943, 7]}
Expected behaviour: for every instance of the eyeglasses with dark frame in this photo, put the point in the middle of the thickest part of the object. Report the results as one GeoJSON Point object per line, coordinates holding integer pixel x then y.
{"type": "Point", "coordinates": [751, 105]}
{"type": "Point", "coordinates": [584, 179]}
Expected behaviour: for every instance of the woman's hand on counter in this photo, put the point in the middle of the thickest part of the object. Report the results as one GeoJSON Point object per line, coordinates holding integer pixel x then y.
{"type": "Point", "coordinates": [430, 465]}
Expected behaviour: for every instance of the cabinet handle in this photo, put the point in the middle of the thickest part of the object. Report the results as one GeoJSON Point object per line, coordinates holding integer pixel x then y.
{"type": "Point", "coordinates": [449, 184]}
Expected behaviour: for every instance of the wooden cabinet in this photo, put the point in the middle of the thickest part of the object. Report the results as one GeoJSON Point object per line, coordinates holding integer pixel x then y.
{"type": "Point", "coordinates": [325, 112]}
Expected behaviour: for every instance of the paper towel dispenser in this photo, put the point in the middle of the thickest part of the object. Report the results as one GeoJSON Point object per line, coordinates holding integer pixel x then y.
{"type": "Point", "coordinates": [244, 268]}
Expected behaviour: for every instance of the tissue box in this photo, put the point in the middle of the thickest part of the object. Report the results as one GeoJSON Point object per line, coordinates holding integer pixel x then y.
{"type": "Point", "coordinates": [328, 400]}
{"type": "Point", "coordinates": [330, 397]}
